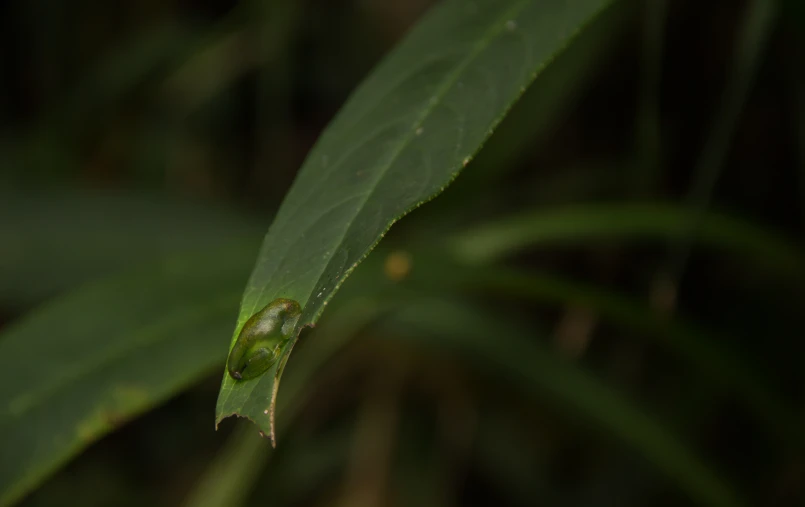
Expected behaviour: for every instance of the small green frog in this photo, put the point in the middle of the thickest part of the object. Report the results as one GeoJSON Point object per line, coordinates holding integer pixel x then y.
{"type": "Point", "coordinates": [261, 339]}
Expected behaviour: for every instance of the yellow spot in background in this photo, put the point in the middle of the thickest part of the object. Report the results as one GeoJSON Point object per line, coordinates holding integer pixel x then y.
{"type": "Point", "coordinates": [398, 265]}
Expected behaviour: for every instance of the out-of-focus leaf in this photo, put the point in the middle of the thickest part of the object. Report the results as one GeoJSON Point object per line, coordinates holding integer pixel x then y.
{"type": "Point", "coordinates": [188, 65]}
{"type": "Point", "coordinates": [50, 145]}
{"type": "Point", "coordinates": [79, 367]}
{"type": "Point", "coordinates": [647, 170]}
{"type": "Point", "coordinates": [56, 240]}
{"type": "Point", "coordinates": [793, 21]}
{"type": "Point", "coordinates": [501, 347]}
{"type": "Point", "coordinates": [633, 222]}
{"type": "Point", "coordinates": [230, 478]}
{"type": "Point", "coordinates": [127, 67]}
{"type": "Point", "coordinates": [435, 272]}
{"type": "Point", "coordinates": [418, 475]}
{"type": "Point", "coordinates": [800, 100]}
{"type": "Point", "coordinates": [500, 456]}
{"type": "Point", "coordinates": [405, 134]}
{"type": "Point", "coordinates": [316, 459]}
{"type": "Point", "coordinates": [759, 20]}
{"type": "Point", "coordinates": [211, 69]}
{"type": "Point", "coordinates": [713, 359]}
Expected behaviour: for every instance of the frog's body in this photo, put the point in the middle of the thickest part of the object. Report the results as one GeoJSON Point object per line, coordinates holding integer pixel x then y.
{"type": "Point", "coordinates": [261, 339]}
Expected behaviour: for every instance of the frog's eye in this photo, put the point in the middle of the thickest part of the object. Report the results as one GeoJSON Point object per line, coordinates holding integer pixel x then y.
{"type": "Point", "coordinates": [261, 339]}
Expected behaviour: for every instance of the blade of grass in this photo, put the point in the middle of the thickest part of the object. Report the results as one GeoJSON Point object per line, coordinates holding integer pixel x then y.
{"type": "Point", "coordinates": [649, 133]}
{"type": "Point", "coordinates": [634, 222]}
{"type": "Point", "coordinates": [434, 272]}
{"type": "Point", "coordinates": [797, 80]}
{"type": "Point", "coordinates": [758, 23]}
{"type": "Point", "coordinates": [714, 362]}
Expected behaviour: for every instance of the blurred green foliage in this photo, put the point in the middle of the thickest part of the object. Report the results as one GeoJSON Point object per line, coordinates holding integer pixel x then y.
{"type": "Point", "coordinates": [605, 309]}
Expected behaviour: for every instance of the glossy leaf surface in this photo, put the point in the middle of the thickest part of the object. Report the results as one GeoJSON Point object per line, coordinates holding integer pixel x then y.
{"type": "Point", "coordinates": [409, 129]}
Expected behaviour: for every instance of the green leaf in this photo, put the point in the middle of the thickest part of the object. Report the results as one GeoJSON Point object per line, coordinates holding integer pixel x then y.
{"type": "Point", "coordinates": [406, 133]}
{"type": "Point", "coordinates": [97, 234]}
{"type": "Point", "coordinates": [81, 366]}
{"type": "Point", "coordinates": [506, 349]}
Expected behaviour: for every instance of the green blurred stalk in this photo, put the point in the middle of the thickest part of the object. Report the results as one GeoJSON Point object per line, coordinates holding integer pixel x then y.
{"type": "Point", "coordinates": [507, 350]}
{"type": "Point", "coordinates": [649, 136]}
{"type": "Point", "coordinates": [230, 477]}
{"type": "Point", "coordinates": [758, 23]}
{"type": "Point", "coordinates": [713, 361]}
{"type": "Point", "coordinates": [704, 351]}
{"type": "Point", "coordinates": [504, 237]}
